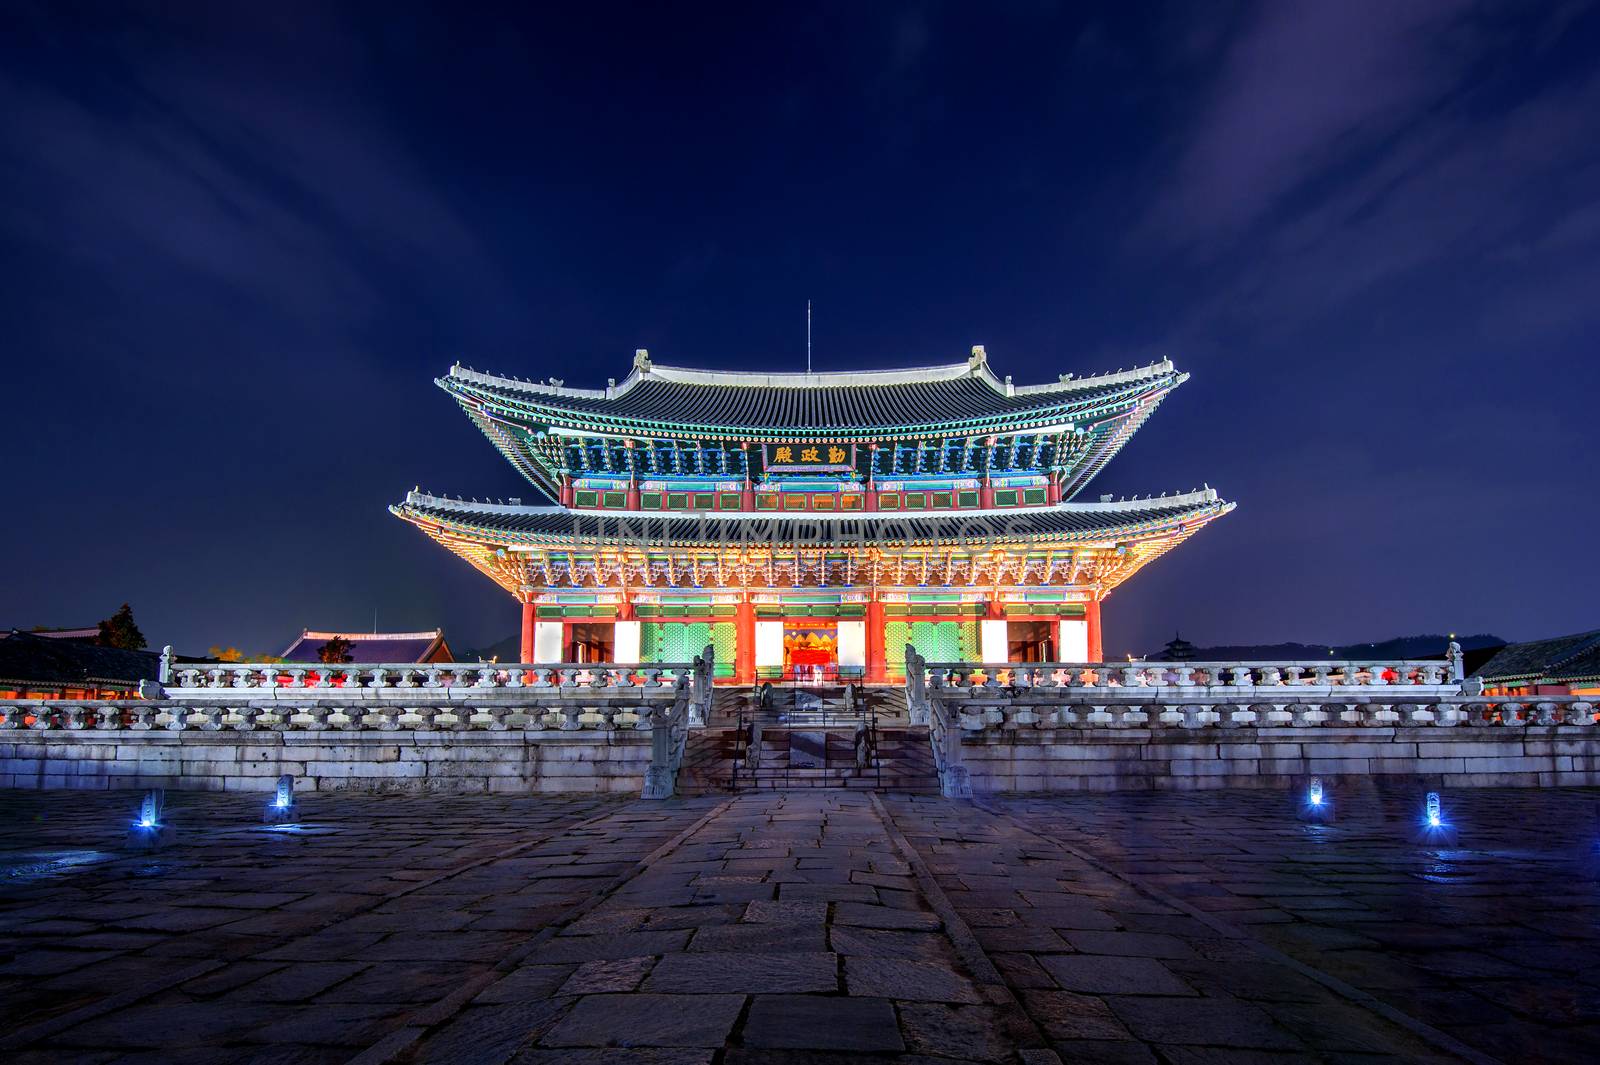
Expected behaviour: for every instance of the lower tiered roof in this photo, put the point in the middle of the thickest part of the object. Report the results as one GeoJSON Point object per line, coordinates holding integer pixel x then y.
{"type": "Point", "coordinates": [529, 549]}
{"type": "Point", "coordinates": [512, 525]}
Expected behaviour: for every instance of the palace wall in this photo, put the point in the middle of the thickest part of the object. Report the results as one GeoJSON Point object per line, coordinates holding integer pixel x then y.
{"type": "Point", "coordinates": [1076, 759]}
{"type": "Point", "coordinates": [554, 762]}
{"type": "Point", "coordinates": [595, 762]}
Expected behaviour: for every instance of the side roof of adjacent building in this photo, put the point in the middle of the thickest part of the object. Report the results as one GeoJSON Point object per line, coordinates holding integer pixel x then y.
{"type": "Point", "coordinates": [50, 661]}
{"type": "Point", "coordinates": [1567, 659]}
{"type": "Point", "coordinates": [368, 647]}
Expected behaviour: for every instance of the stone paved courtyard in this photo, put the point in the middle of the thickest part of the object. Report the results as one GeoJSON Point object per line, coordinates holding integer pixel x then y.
{"type": "Point", "coordinates": [807, 926]}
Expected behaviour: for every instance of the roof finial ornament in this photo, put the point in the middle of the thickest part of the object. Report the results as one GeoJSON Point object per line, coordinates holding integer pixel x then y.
{"type": "Point", "coordinates": [978, 357]}
{"type": "Point", "coordinates": [641, 360]}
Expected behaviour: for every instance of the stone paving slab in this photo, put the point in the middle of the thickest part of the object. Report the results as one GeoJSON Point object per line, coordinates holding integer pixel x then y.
{"type": "Point", "coordinates": [812, 926]}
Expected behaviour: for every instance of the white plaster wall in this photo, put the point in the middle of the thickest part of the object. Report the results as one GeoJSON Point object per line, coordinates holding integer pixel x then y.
{"type": "Point", "coordinates": [853, 643]}
{"type": "Point", "coordinates": [993, 644]}
{"type": "Point", "coordinates": [625, 643]}
{"type": "Point", "coordinates": [547, 641]}
{"type": "Point", "coordinates": [1074, 640]}
{"type": "Point", "coordinates": [769, 644]}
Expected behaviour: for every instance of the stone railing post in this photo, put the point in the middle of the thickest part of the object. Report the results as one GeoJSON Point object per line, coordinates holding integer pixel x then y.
{"type": "Point", "coordinates": [667, 733]}
{"type": "Point", "coordinates": [916, 686]}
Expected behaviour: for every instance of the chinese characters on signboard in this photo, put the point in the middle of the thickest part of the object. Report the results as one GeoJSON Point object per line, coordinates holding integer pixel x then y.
{"type": "Point", "coordinates": [810, 456]}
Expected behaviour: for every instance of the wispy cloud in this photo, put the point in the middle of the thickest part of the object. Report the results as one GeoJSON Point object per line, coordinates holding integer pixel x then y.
{"type": "Point", "coordinates": [1307, 85]}
{"type": "Point", "coordinates": [195, 166]}
{"type": "Point", "coordinates": [1347, 146]}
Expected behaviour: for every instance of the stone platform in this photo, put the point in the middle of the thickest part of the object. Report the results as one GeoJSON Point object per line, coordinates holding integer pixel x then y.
{"type": "Point", "coordinates": [801, 927]}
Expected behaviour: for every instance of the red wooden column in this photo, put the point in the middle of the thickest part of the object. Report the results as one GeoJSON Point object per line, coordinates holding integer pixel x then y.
{"type": "Point", "coordinates": [744, 643]}
{"type": "Point", "coordinates": [528, 614]}
{"type": "Point", "coordinates": [877, 667]}
{"type": "Point", "coordinates": [1092, 617]}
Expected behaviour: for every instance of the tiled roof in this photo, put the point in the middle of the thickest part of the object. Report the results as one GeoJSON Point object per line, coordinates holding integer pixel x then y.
{"type": "Point", "coordinates": [89, 634]}
{"type": "Point", "coordinates": [28, 657]}
{"type": "Point", "coordinates": [371, 647]}
{"type": "Point", "coordinates": [775, 404]}
{"type": "Point", "coordinates": [1556, 659]}
{"type": "Point", "coordinates": [1067, 522]}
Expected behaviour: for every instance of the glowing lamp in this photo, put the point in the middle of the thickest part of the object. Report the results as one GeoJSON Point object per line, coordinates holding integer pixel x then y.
{"type": "Point", "coordinates": [149, 830]}
{"type": "Point", "coordinates": [1318, 805]}
{"type": "Point", "coordinates": [280, 808]}
{"type": "Point", "coordinates": [1436, 831]}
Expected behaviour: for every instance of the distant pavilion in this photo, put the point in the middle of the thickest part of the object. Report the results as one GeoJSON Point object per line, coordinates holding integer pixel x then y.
{"type": "Point", "coordinates": [812, 524]}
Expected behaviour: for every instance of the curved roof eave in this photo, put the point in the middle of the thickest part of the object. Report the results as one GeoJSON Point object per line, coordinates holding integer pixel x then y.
{"type": "Point", "coordinates": [1077, 410]}
{"type": "Point", "coordinates": [600, 409]}
{"type": "Point", "coordinates": [1150, 517]}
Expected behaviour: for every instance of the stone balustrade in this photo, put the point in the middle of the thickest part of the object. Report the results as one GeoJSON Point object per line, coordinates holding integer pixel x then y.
{"type": "Point", "coordinates": [562, 726]}
{"type": "Point", "coordinates": [1046, 695]}
{"type": "Point", "coordinates": [977, 711]}
{"type": "Point", "coordinates": [312, 712]}
{"type": "Point", "coordinates": [1153, 676]}
{"type": "Point", "coordinates": [1106, 726]}
{"type": "Point", "coordinates": [452, 681]}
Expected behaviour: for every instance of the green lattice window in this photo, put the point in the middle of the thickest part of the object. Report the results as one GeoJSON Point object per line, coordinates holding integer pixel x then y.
{"type": "Point", "coordinates": [942, 500]}
{"type": "Point", "coordinates": [728, 501]}
{"type": "Point", "coordinates": [1005, 497]}
{"type": "Point", "coordinates": [650, 500]}
{"type": "Point", "coordinates": [585, 498]}
{"type": "Point", "coordinates": [967, 499]}
{"type": "Point", "coordinates": [677, 501]}
{"type": "Point", "coordinates": [889, 501]}
{"type": "Point", "coordinates": [659, 642]}
{"type": "Point", "coordinates": [936, 641]}
{"type": "Point", "coordinates": [1033, 496]}
{"type": "Point", "coordinates": [616, 500]}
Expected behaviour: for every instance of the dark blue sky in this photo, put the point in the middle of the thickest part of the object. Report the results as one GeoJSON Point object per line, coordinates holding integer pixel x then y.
{"type": "Point", "coordinates": [237, 242]}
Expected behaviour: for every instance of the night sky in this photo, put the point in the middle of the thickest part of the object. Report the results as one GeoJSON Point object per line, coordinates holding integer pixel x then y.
{"type": "Point", "coordinates": [238, 242]}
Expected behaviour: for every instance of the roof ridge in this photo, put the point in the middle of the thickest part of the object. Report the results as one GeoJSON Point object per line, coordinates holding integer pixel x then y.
{"type": "Point", "coordinates": [976, 367]}
{"type": "Point", "coordinates": [315, 634]}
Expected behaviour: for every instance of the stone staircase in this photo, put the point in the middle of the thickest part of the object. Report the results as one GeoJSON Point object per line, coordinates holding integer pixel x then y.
{"type": "Point", "coordinates": [808, 741]}
{"type": "Point", "coordinates": [707, 756]}
{"type": "Point", "coordinates": [890, 703]}
{"type": "Point", "coordinates": [906, 759]}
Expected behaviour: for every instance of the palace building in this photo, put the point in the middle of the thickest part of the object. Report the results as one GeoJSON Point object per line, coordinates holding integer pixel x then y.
{"type": "Point", "coordinates": [811, 525]}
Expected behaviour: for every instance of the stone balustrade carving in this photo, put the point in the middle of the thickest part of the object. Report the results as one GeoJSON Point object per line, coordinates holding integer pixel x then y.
{"type": "Point", "coordinates": [454, 681]}
{"type": "Point", "coordinates": [964, 700]}
{"type": "Point", "coordinates": [398, 697]}
{"type": "Point", "coordinates": [1209, 675]}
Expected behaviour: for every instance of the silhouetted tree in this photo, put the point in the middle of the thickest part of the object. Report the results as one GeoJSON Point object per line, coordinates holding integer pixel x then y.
{"type": "Point", "coordinates": [335, 651]}
{"type": "Point", "coordinates": [118, 630]}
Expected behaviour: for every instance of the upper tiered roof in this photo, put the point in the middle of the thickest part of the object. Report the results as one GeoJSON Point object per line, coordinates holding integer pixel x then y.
{"type": "Point", "coordinates": [957, 398]}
